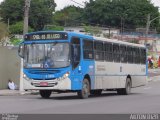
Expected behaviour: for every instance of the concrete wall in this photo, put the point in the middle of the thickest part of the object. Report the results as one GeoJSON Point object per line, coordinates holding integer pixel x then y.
{"type": "Point", "coordinates": [9, 66]}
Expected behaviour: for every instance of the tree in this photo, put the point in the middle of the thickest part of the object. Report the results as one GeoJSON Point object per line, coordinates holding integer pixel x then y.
{"type": "Point", "coordinates": [40, 13]}
{"type": "Point", "coordinates": [93, 30]}
{"type": "Point", "coordinates": [6, 10]}
{"type": "Point", "coordinates": [3, 33]}
{"type": "Point", "coordinates": [117, 12]}
{"type": "Point", "coordinates": [17, 28]}
{"type": "Point", "coordinates": [69, 16]}
{"type": "Point", "coordinates": [54, 27]}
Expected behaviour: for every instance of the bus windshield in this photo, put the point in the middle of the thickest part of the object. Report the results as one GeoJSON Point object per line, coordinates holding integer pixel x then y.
{"type": "Point", "coordinates": [52, 55]}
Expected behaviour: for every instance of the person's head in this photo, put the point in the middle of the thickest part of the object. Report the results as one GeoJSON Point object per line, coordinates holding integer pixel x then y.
{"type": "Point", "coordinates": [9, 80]}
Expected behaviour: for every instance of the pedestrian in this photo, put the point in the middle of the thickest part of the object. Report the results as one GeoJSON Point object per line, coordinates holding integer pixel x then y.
{"type": "Point", "coordinates": [159, 62]}
{"type": "Point", "coordinates": [11, 85]}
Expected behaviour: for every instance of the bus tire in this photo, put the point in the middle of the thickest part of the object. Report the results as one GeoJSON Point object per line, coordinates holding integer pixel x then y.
{"type": "Point", "coordinates": [45, 93]}
{"type": "Point", "coordinates": [127, 89]}
{"type": "Point", "coordinates": [96, 92]}
{"type": "Point", "coordinates": [85, 91]}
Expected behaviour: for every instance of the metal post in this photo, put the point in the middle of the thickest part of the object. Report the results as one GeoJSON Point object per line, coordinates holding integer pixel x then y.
{"type": "Point", "coordinates": [25, 30]}
{"type": "Point", "coordinates": [8, 24]}
{"type": "Point", "coordinates": [147, 28]}
{"type": "Point", "coordinates": [26, 14]}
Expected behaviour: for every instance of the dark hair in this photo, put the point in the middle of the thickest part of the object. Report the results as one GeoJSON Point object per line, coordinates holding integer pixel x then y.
{"type": "Point", "coordinates": [9, 80]}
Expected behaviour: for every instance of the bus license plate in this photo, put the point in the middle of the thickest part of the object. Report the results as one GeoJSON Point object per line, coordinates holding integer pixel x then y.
{"type": "Point", "coordinates": [43, 83]}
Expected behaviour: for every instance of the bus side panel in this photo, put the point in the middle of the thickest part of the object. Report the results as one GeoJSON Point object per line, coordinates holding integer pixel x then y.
{"type": "Point", "coordinates": [107, 75]}
{"type": "Point", "coordinates": [137, 73]}
{"type": "Point", "coordinates": [110, 75]}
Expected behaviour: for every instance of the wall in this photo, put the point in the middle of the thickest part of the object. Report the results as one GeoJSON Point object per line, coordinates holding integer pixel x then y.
{"type": "Point", "coordinates": [9, 66]}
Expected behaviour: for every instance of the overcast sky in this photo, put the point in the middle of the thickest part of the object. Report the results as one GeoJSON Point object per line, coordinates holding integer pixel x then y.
{"type": "Point", "coordinates": [63, 3]}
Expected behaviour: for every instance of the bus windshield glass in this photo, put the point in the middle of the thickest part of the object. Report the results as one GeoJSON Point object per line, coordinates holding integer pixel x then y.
{"type": "Point", "coordinates": [53, 55]}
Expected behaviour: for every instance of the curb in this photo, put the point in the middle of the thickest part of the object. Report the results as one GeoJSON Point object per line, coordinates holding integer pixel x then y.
{"type": "Point", "coordinates": [18, 93]}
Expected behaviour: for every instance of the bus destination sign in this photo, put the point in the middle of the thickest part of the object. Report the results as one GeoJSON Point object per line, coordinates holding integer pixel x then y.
{"type": "Point", "coordinates": [46, 36]}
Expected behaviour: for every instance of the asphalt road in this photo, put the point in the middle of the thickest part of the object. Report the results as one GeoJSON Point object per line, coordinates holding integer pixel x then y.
{"type": "Point", "coordinates": [153, 72]}
{"type": "Point", "coordinates": [145, 99]}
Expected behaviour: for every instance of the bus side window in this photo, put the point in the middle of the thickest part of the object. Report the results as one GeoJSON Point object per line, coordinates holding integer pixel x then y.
{"type": "Point", "coordinates": [88, 49]}
{"type": "Point", "coordinates": [143, 56]}
{"type": "Point", "coordinates": [123, 54]}
{"type": "Point", "coordinates": [108, 51]}
{"type": "Point", "coordinates": [98, 51]}
{"type": "Point", "coordinates": [129, 54]}
{"type": "Point", "coordinates": [75, 52]}
{"type": "Point", "coordinates": [116, 52]}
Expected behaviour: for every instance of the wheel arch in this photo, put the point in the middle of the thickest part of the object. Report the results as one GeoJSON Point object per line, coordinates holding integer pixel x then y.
{"type": "Point", "coordinates": [89, 79]}
{"type": "Point", "coordinates": [129, 76]}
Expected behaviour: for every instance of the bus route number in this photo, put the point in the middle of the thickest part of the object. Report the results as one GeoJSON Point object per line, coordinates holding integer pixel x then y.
{"type": "Point", "coordinates": [46, 36]}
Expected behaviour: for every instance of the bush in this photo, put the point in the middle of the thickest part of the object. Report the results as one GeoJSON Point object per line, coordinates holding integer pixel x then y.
{"type": "Point", "coordinates": [18, 28]}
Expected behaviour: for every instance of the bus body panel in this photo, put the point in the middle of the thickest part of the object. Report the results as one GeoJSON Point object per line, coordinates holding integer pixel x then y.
{"type": "Point", "coordinates": [113, 75]}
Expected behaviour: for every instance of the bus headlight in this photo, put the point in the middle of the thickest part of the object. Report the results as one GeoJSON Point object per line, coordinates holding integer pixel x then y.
{"type": "Point", "coordinates": [25, 76]}
{"type": "Point", "coordinates": [65, 75]}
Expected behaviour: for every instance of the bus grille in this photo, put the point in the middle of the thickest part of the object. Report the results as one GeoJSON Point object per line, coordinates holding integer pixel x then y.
{"type": "Point", "coordinates": [49, 84]}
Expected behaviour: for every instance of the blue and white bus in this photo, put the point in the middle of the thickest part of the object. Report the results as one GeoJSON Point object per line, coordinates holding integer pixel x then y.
{"type": "Point", "coordinates": [72, 62]}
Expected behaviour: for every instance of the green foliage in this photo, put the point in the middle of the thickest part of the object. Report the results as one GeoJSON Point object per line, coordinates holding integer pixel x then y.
{"type": "Point", "coordinates": [40, 13]}
{"type": "Point", "coordinates": [12, 10]}
{"type": "Point", "coordinates": [15, 41]}
{"type": "Point", "coordinates": [69, 16]}
{"type": "Point", "coordinates": [92, 30]}
{"type": "Point", "coordinates": [113, 12]}
{"type": "Point", "coordinates": [54, 27]}
{"type": "Point", "coordinates": [17, 28]}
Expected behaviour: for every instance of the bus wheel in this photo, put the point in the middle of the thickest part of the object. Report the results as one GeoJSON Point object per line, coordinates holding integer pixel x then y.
{"type": "Point", "coordinates": [85, 92]}
{"type": "Point", "coordinates": [45, 93]}
{"type": "Point", "coordinates": [96, 92]}
{"type": "Point", "coordinates": [127, 89]}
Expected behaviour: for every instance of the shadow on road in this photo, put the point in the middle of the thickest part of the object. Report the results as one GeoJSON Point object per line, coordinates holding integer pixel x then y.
{"type": "Point", "coordinates": [75, 97]}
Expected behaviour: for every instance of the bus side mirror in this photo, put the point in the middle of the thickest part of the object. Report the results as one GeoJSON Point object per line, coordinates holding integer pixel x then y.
{"type": "Point", "coordinates": [21, 50]}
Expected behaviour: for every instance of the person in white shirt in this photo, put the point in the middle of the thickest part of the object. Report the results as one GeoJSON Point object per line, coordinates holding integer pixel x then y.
{"type": "Point", "coordinates": [11, 85]}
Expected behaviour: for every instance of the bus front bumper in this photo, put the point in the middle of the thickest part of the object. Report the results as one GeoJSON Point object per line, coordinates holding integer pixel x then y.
{"type": "Point", "coordinates": [55, 84]}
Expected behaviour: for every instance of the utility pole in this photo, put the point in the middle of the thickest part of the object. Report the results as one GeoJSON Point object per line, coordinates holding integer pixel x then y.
{"type": "Point", "coordinates": [25, 30]}
{"type": "Point", "coordinates": [26, 16]}
{"type": "Point", "coordinates": [147, 28]}
{"type": "Point", "coordinates": [8, 24]}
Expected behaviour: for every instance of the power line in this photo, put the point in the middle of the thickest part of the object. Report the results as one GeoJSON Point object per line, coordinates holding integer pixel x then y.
{"type": "Point", "coordinates": [77, 3]}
